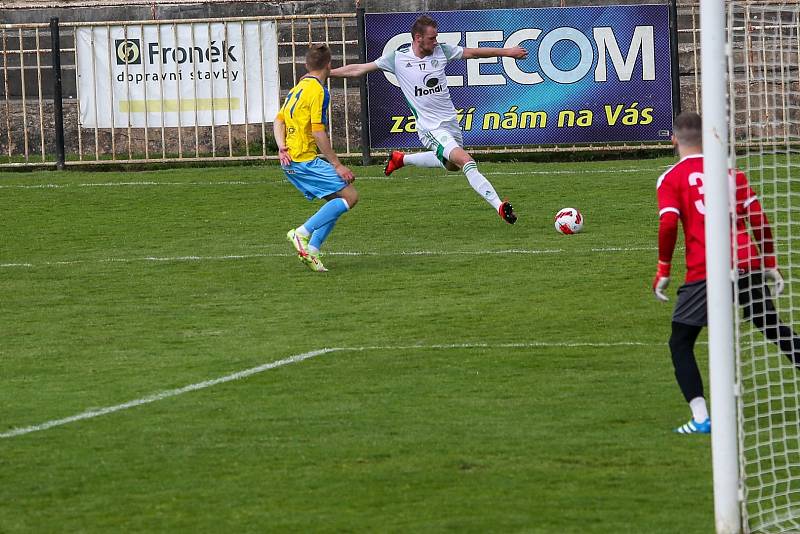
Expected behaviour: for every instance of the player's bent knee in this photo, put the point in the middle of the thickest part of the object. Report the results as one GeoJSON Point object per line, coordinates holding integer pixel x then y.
{"type": "Point", "coordinates": [457, 156]}
{"type": "Point", "coordinates": [679, 341]}
{"type": "Point", "coordinates": [679, 349]}
{"type": "Point", "coordinates": [450, 166]}
{"type": "Point", "coordinates": [350, 195]}
{"type": "Point", "coordinates": [682, 339]}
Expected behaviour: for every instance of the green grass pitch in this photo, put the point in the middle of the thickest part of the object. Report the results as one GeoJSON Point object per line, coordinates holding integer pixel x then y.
{"type": "Point", "coordinates": [486, 377]}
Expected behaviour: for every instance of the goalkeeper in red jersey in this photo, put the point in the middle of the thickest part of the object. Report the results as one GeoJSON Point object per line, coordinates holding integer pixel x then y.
{"type": "Point", "coordinates": [680, 198]}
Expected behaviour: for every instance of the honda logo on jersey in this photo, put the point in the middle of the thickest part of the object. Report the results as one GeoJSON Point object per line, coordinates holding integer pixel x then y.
{"type": "Point", "coordinates": [419, 91]}
{"type": "Point", "coordinates": [431, 81]}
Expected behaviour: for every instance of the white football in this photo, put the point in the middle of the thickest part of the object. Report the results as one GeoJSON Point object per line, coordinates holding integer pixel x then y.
{"type": "Point", "coordinates": [568, 221]}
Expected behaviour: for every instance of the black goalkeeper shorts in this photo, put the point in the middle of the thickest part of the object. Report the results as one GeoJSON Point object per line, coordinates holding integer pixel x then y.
{"type": "Point", "coordinates": [691, 305]}
{"type": "Point", "coordinates": [754, 299]}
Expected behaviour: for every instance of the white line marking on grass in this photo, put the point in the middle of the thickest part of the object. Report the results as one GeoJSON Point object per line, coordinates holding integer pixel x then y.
{"type": "Point", "coordinates": [623, 249]}
{"type": "Point", "coordinates": [142, 184]}
{"type": "Point", "coordinates": [410, 174]}
{"type": "Point", "coordinates": [526, 345]}
{"type": "Point", "coordinates": [221, 182]}
{"type": "Point", "coordinates": [164, 259]}
{"type": "Point", "coordinates": [90, 414]}
{"type": "Point", "coordinates": [154, 259]}
{"type": "Point", "coordinates": [657, 169]}
{"type": "Point", "coordinates": [35, 186]}
{"type": "Point", "coordinates": [145, 183]}
{"type": "Point", "coordinates": [581, 171]}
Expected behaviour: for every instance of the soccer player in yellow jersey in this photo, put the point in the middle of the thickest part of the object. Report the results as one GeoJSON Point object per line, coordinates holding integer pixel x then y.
{"type": "Point", "coordinates": [300, 129]}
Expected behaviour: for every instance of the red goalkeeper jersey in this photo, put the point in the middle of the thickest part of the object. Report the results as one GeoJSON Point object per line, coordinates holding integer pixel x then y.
{"type": "Point", "coordinates": [680, 191]}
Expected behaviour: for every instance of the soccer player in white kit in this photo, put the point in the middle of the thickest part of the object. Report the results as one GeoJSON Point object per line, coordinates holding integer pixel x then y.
{"type": "Point", "coordinates": [419, 68]}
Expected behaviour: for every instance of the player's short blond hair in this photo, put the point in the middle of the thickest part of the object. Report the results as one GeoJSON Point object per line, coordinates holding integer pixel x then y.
{"type": "Point", "coordinates": [318, 57]}
{"type": "Point", "coordinates": [688, 129]}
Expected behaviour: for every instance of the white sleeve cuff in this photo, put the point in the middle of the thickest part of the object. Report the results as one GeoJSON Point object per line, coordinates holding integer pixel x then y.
{"type": "Point", "coordinates": [676, 211]}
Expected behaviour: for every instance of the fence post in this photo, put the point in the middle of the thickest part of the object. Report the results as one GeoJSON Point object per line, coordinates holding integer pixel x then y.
{"type": "Point", "coordinates": [58, 110]}
{"type": "Point", "coordinates": [674, 60]}
{"type": "Point", "coordinates": [366, 157]}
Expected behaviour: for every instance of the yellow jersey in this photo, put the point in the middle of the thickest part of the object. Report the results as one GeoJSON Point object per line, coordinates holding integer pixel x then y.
{"type": "Point", "coordinates": [305, 110]}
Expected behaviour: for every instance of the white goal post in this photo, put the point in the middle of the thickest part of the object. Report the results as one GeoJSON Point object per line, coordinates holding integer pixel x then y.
{"type": "Point", "coordinates": [724, 443]}
{"type": "Point", "coordinates": [751, 116]}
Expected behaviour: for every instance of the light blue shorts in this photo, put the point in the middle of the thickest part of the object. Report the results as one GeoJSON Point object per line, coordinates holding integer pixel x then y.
{"type": "Point", "coordinates": [315, 178]}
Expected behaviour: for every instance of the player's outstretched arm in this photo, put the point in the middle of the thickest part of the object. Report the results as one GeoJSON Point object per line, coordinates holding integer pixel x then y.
{"type": "Point", "coordinates": [517, 52]}
{"type": "Point", "coordinates": [354, 70]}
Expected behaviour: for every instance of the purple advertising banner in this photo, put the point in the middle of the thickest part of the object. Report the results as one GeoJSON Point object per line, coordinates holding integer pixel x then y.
{"type": "Point", "coordinates": [596, 74]}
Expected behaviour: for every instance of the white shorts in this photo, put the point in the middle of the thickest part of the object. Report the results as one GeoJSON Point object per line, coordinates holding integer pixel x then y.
{"type": "Point", "coordinates": [443, 139]}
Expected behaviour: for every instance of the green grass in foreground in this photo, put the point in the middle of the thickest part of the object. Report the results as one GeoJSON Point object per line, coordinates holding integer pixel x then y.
{"type": "Point", "coordinates": [429, 419]}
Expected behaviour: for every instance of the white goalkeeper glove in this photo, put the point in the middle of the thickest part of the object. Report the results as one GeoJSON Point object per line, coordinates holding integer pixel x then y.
{"type": "Point", "coordinates": [774, 276]}
{"type": "Point", "coordinates": [659, 286]}
{"type": "Point", "coordinates": [661, 281]}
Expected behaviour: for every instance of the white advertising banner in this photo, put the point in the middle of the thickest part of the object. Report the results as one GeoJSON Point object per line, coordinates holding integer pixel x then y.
{"type": "Point", "coordinates": [178, 74]}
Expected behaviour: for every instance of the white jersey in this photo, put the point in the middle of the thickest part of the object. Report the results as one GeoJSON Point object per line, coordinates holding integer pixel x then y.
{"type": "Point", "coordinates": [423, 82]}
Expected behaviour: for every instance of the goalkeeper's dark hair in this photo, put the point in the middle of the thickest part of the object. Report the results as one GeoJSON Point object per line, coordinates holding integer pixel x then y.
{"type": "Point", "coordinates": [688, 129]}
{"type": "Point", "coordinates": [421, 24]}
{"type": "Point", "coordinates": [318, 57]}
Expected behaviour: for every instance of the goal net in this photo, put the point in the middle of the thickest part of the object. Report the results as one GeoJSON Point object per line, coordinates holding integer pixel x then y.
{"type": "Point", "coordinates": [764, 89]}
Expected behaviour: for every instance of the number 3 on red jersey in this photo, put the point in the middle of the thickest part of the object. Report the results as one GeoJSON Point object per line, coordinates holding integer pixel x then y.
{"type": "Point", "coordinates": [696, 180]}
